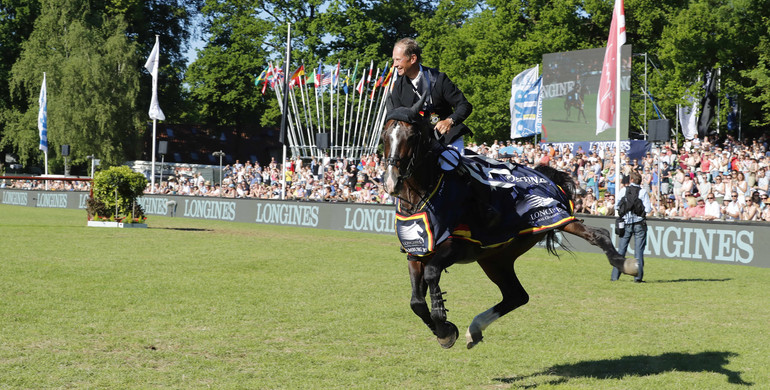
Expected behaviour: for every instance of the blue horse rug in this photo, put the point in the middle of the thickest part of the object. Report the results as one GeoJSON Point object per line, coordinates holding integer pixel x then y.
{"type": "Point", "coordinates": [528, 202]}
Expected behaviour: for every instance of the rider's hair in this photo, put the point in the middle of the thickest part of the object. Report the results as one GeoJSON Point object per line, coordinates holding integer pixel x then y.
{"type": "Point", "coordinates": [410, 47]}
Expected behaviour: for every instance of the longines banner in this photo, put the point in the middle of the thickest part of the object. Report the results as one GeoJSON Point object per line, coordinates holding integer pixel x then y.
{"type": "Point", "coordinates": [740, 243]}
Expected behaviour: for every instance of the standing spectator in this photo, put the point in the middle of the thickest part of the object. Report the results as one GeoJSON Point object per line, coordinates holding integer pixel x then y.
{"type": "Point", "coordinates": [635, 222]}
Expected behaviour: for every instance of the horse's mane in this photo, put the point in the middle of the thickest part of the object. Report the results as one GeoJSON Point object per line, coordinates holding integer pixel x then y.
{"type": "Point", "coordinates": [560, 178]}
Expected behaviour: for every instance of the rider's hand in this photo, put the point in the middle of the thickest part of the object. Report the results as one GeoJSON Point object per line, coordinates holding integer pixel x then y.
{"type": "Point", "coordinates": [444, 126]}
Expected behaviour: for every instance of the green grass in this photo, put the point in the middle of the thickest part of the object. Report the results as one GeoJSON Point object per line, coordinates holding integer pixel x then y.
{"type": "Point", "coordinates": [193, 304]}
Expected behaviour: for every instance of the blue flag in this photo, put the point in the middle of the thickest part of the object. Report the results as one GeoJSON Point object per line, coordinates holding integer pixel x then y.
{"type": "Point", "coordinates": [42, 118]}
{"type": "Point", "coordinates": [526, 104]}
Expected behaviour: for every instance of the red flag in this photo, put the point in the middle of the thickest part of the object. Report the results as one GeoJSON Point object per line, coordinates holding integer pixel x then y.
{"type": "Point", "coordinates": [374, 87]}
{"type": "Point", "coordinates": [298, 77]}
{"type": "Point", "coordinates": [606, 104]}
{"type": "Point", "coordinates": [360, 86]}
{"type": "Point", "coordinates": [268, 77]}
{"type": "Point", "coordinates": [387, 78]}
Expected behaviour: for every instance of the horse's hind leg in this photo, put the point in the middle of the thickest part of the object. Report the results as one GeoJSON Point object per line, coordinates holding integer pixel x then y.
{"type": "Point", "coordinates": [601, 238]}
{"type": "Point", "coordinates": [499, 269]}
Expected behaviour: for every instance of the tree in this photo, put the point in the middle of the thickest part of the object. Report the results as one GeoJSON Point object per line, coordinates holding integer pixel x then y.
{"type": "Point", "coordinates": [92, 84]}
{"type": "Point", "coordinates": [16, 20]}
{"type": "Point", "coordinates": [483, 45]}
{"type": "Point", "coordinates": [714, 35]}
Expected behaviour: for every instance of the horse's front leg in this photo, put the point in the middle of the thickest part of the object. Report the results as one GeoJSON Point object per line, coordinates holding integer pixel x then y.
{"type": "Point", "coordinates": [419, 291]}
{"type": "Point", "coordinates": [445, 331]}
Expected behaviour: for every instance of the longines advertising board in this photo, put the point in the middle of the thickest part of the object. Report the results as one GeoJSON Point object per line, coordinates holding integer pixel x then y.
{"type": "Point", "coordinates": [740, 243]}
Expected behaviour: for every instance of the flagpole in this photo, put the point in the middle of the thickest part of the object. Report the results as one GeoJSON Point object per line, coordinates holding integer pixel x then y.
{"type": "Point", "coordinates": [285, 110]}
{"type": "Point", "coordinates": [337, 114]}
{"type": "Point", "coordinates": [382, 113]}
{"type": "Point", "coordinates": [617, 116]}
{"type": "Point", "coordinates": [364, 140]}
{"type": "Point", "coordinates": [42, 124]}
{"type": "Point", "coordinates": [354, 139]}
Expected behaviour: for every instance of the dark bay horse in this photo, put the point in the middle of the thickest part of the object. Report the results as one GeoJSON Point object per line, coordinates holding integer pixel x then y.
{"type": "Point", "coordinates": [575, 99]}
{"type": "Point", "coordinates": [411, 171]}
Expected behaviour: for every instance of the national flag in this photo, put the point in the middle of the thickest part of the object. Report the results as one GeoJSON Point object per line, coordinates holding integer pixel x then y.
{"type": "Point", "coordinates": [319, 76]}
{"type": "Point", "coordinates": [298, 77]}
{"type": "Point", "coordinates": [152, 66]}
{"type": "Point", "coordinates": [352, 82]}
{"type": "Point", "coordinates": [277, 76]}
{"type": "Point", "coordinates": [336, 76]}
{"type": "Point", "coordinates": [525, 103]}
{"type": "Point", "coordinates": [42, 117]}
{"type": "Point", "coordinates": [360, 86]}
{"type": "Point", "coordinates": [606, 104]}
{"type": "Point", "coordinates": [268, 78]}
{"type": "Point", "coordinates": [346, 82]}
{"type": "Point", "coordinates": [311, 78]}
{"type": "Point", "coordinates": [387, 78]}
{"type": "Point", "coordinates": [374, 87]}
{"type": "Point", "coordinates": [381, 79]}
{"type": "Point", "coordinates": [327, 78]}
{"type": "Point", "coordinates": [371, 68]}
{"type": "Point", "coordinates": [261, 77]}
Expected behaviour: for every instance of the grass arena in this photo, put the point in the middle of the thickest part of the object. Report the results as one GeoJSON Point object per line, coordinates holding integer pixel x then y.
{"type": "Point", "coordinates": [193, 303]}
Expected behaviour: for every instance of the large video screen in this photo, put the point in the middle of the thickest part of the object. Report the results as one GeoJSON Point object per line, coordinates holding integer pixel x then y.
{"type": "Point", "coordinates": [570, 84]}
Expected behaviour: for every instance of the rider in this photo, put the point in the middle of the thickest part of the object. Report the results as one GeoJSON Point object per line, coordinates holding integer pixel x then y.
{"type": "Point", "coordinates": [446, 106]}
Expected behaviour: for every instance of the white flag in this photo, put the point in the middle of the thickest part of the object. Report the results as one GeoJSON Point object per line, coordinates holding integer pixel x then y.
{"type": "Point", "coordinates": [42, 118]}
{"type": "Point", "coordinates": [152, 67]}
{"type": "Point", "coordinates": [688, 118]}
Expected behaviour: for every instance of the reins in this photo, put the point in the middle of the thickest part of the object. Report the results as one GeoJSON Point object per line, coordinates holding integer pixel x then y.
{"type": "Point", "coordinates": [417, 159]}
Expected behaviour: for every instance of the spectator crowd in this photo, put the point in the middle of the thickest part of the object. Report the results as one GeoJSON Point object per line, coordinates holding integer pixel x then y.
{"type": "Point", "coordinates": [701, 179]}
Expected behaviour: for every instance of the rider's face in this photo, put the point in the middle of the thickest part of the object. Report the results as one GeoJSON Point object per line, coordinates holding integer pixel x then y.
{"type": "Point", "coordinates": [405, 64]}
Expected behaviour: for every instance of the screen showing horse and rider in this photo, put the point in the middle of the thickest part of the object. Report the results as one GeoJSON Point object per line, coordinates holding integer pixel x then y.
{"type": "Point", "coordinates": [570, 83]}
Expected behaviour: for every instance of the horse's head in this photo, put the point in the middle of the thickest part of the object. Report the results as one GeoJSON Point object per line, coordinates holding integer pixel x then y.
{"type": "Point", "coordinates": [402, 140]}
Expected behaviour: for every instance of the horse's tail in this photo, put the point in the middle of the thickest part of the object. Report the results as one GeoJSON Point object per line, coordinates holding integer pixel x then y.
{"type": "Point", "coordinates": [560, 178]}
{"type": "Point", "coordinates": [550, 242]}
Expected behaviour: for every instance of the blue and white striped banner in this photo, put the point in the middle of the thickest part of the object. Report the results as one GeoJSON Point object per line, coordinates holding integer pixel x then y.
{"type": "Point", "coordinates": [526, 104]}
{"type": "Point", "coordinates": [42, 118]}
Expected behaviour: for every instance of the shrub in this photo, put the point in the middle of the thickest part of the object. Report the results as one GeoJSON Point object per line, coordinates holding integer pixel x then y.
{"type": "Point", "coordinates": [129, 186]}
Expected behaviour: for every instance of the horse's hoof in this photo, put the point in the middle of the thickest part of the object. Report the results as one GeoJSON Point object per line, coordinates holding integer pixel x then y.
{"type": "Point", "coordinates": [449, 341]}
{"type": "Point", "coordinates": [630, 267]}
{"type": "Point", "coordinates": [472, 338]}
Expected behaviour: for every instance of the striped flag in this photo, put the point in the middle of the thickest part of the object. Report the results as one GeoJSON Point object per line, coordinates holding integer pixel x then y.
{"type": "Point", "coordinates": [298, 77]}
{"type": "Point", "coordinates": [606, 105]}
{"type": "Point", "coordinates": [387, 78]}
{"type": "Point", "coordinates": [42, 117]}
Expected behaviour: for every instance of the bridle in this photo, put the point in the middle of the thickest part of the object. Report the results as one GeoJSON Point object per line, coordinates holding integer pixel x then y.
{"type": "Point", "coordinates": [406, 171]}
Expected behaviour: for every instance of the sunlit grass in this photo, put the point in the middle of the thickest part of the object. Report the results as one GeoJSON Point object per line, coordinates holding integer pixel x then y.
{"type": "Point", "coordinates": [192, 303]}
